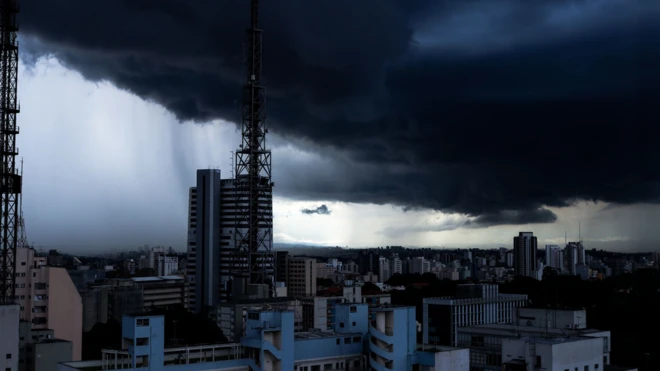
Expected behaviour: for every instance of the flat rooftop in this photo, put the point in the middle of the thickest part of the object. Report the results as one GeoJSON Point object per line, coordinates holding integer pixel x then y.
{"type": "Point", "coordinates": [559, 340]}
{"type": "Point", "coordinates": [512, 330]}
{"type": "Point", "coordinates": [323, 335]}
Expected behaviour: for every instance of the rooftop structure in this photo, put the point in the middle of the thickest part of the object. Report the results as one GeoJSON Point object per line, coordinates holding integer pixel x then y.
{"type": "Point", "coordinates": [476, 305]}
{"type": "Point", "coordinates": [270, 343]}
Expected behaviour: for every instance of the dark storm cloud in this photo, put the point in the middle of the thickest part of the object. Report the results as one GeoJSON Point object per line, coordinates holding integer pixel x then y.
{"type": "Point", "coordinates": [321, 210]}
{"type": "Point", "coordinates": [488, 108]}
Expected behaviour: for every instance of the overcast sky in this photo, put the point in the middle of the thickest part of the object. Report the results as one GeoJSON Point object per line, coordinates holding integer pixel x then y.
{"type": "Point", "coordinates": [455, 123]}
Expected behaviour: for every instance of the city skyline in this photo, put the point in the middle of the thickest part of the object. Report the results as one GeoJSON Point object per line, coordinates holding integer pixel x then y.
{"type": "Point", "coordinates": [129, 163]}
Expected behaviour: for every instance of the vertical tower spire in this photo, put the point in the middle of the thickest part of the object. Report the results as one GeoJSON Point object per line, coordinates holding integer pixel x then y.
{"type": "Point", "coordinates": [10, 187]}
{"type": "Point", "coordinates": [253, 237]}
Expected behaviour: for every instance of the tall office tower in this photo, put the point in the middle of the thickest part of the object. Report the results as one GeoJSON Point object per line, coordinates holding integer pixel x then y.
{"type": "Point", "coordinates": [525, 252]}
{"type": "Point", "coordinates": [572, 257]}
{"type": "Point", "coordinates": [211, 231]}
{"type": "Point", "coordinates": [581, 253]}
{"type": "Point", "coordinates": [301, 277]}
{"type": "Point", "coordinates": [207, 239]}
{"type": "Point", "coordinates": [553, 256]}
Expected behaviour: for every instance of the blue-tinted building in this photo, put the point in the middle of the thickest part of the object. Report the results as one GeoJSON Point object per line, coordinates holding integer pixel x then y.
{"type": "Point", "coordinates": [270, 344]}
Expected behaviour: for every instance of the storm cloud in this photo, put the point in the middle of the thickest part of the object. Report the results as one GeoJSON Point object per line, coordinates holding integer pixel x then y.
{"type": "Point", "coordinates": [492, 109]}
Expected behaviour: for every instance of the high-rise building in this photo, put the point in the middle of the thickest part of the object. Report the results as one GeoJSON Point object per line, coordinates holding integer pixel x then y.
{"type": "Point", "coordinates": [301, 277]}
{"type": "Point", "coordinates": [48, 298]}
{"type": "Point", "coordinates": [572, 257]}
{"type": "Point", "coordinates": [396, 265]}
{"type": "Point", "coordinates": [191, 256]}
{"type": "Point", "coordinates": [553, 256]}
{"type": "Point", "coordinates": [525, 255]}
{"type": "Point", "coordinates": [384, 269]}
{"type": "Point", "coordinates": [211, 246]}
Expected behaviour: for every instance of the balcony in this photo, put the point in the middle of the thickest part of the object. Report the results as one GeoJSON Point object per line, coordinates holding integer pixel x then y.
{"type": "Point", "coordinates": [384, 335]}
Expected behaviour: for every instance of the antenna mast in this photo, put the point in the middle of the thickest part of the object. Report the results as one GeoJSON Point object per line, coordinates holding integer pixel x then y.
{"type": "Point", "coordinates": [253, 237]}
{"type": "Point", "coordinates": [10, 188]}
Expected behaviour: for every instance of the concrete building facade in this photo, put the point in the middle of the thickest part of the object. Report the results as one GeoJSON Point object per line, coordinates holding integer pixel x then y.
{"type": "Point", "coordinates": [473, 305]}
{"type": "Point", "coordinates": [525, 255]}
{"type": "Point", "coordinates": [270, 343]}
{"type": "Point", "coordinates": [48, 298]}
{"type": "Point", "coordinates": [9, 319]}
{"type": "Point", "coordinates": [211, 225]}
{"type": "Point", "coordinates": [301, 277]}
{"type": "Point", "coordinates": [540, 353]}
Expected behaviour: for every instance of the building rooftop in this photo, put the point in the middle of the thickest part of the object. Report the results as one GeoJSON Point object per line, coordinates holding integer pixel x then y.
{"type": "Point", "coordinates": [512, 330]}
{"type": "Point", "coordinates": [159, 278]}
{"type": "Point", "coordinates": [557, 340]}
{"type": "Point", "coordinates": [323, 335]}
{"type": "Point", "coordinates": [47, 341]}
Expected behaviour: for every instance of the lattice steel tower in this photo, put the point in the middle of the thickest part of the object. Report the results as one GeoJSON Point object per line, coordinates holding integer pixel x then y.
{"type": "Point", "coordinates": [253, 236]}
{"type": "Point", "coordinates": [10, 188]}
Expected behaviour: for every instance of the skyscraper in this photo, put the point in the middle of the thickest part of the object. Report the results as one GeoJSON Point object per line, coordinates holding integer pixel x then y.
{"type": "Point", "coordinates": [553, 256]}
{"type": "Point", "coordinates": [211, 247]}
{"type": "Point", "coordinates": [525, 253]}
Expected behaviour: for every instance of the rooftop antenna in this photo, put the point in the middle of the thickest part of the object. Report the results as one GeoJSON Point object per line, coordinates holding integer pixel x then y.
{"type": "Point", "coordinates": [579, 232]}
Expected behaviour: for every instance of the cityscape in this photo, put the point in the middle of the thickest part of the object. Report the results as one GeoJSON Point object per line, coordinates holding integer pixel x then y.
{"type": "Point", "coordinates": [259, 277]}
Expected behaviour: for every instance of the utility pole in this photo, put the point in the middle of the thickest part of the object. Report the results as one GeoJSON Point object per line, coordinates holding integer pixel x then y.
{"type": "Point", "coordinates": [10, 189]}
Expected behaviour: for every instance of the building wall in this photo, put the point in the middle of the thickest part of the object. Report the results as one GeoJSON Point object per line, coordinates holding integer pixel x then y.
{"type": "Point", "coordinates": [191, 256]}
{"type": "Point", "coordinates": [541, 318]}
{"type": "Point", "coordinates": [9, 320]}
{"type": "Point", "coordinates": [47, 354]}
{"type": "Point", "coordinates": [554, 354]}
{"type": "Point", "coordinates": [442, 316]}
{"type": "Point", "coordinates": [454, 360]}
{"type": "Point", "coordinates": [207, 233]}
{"type": "Point", "coordinates": [65, 309]}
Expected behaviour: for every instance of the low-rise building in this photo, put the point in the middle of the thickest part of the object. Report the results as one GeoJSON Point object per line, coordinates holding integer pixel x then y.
{"type": "Point", "coordinates": [472, 305]}
{"type": "Point", "coordinates": [539, 353]}
{"type": "Point", "coordinates": [39, 350]}
{"type": "Point", "coordinates": [270, 343]}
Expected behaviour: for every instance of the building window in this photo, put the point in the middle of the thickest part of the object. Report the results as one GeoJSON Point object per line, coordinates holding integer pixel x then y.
{"type": "Point", "coordinates": [341, 324]}
{"type": "Point", "coordinates": [354, 324]}
{"type": "Point", "coordinates": [338, 341]}
{"type": "Point", "coordinates": [143, 322]}
{"type": "Point", "coordinates": [353, 309]}
{"type": "Point", "coordinates": [8, 355]}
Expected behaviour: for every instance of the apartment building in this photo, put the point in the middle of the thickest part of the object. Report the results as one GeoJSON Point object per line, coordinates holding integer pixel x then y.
{"type": "Point", "coordinates": [301, 277]}
{"type": "Point", "coordinates": [48, 298]}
